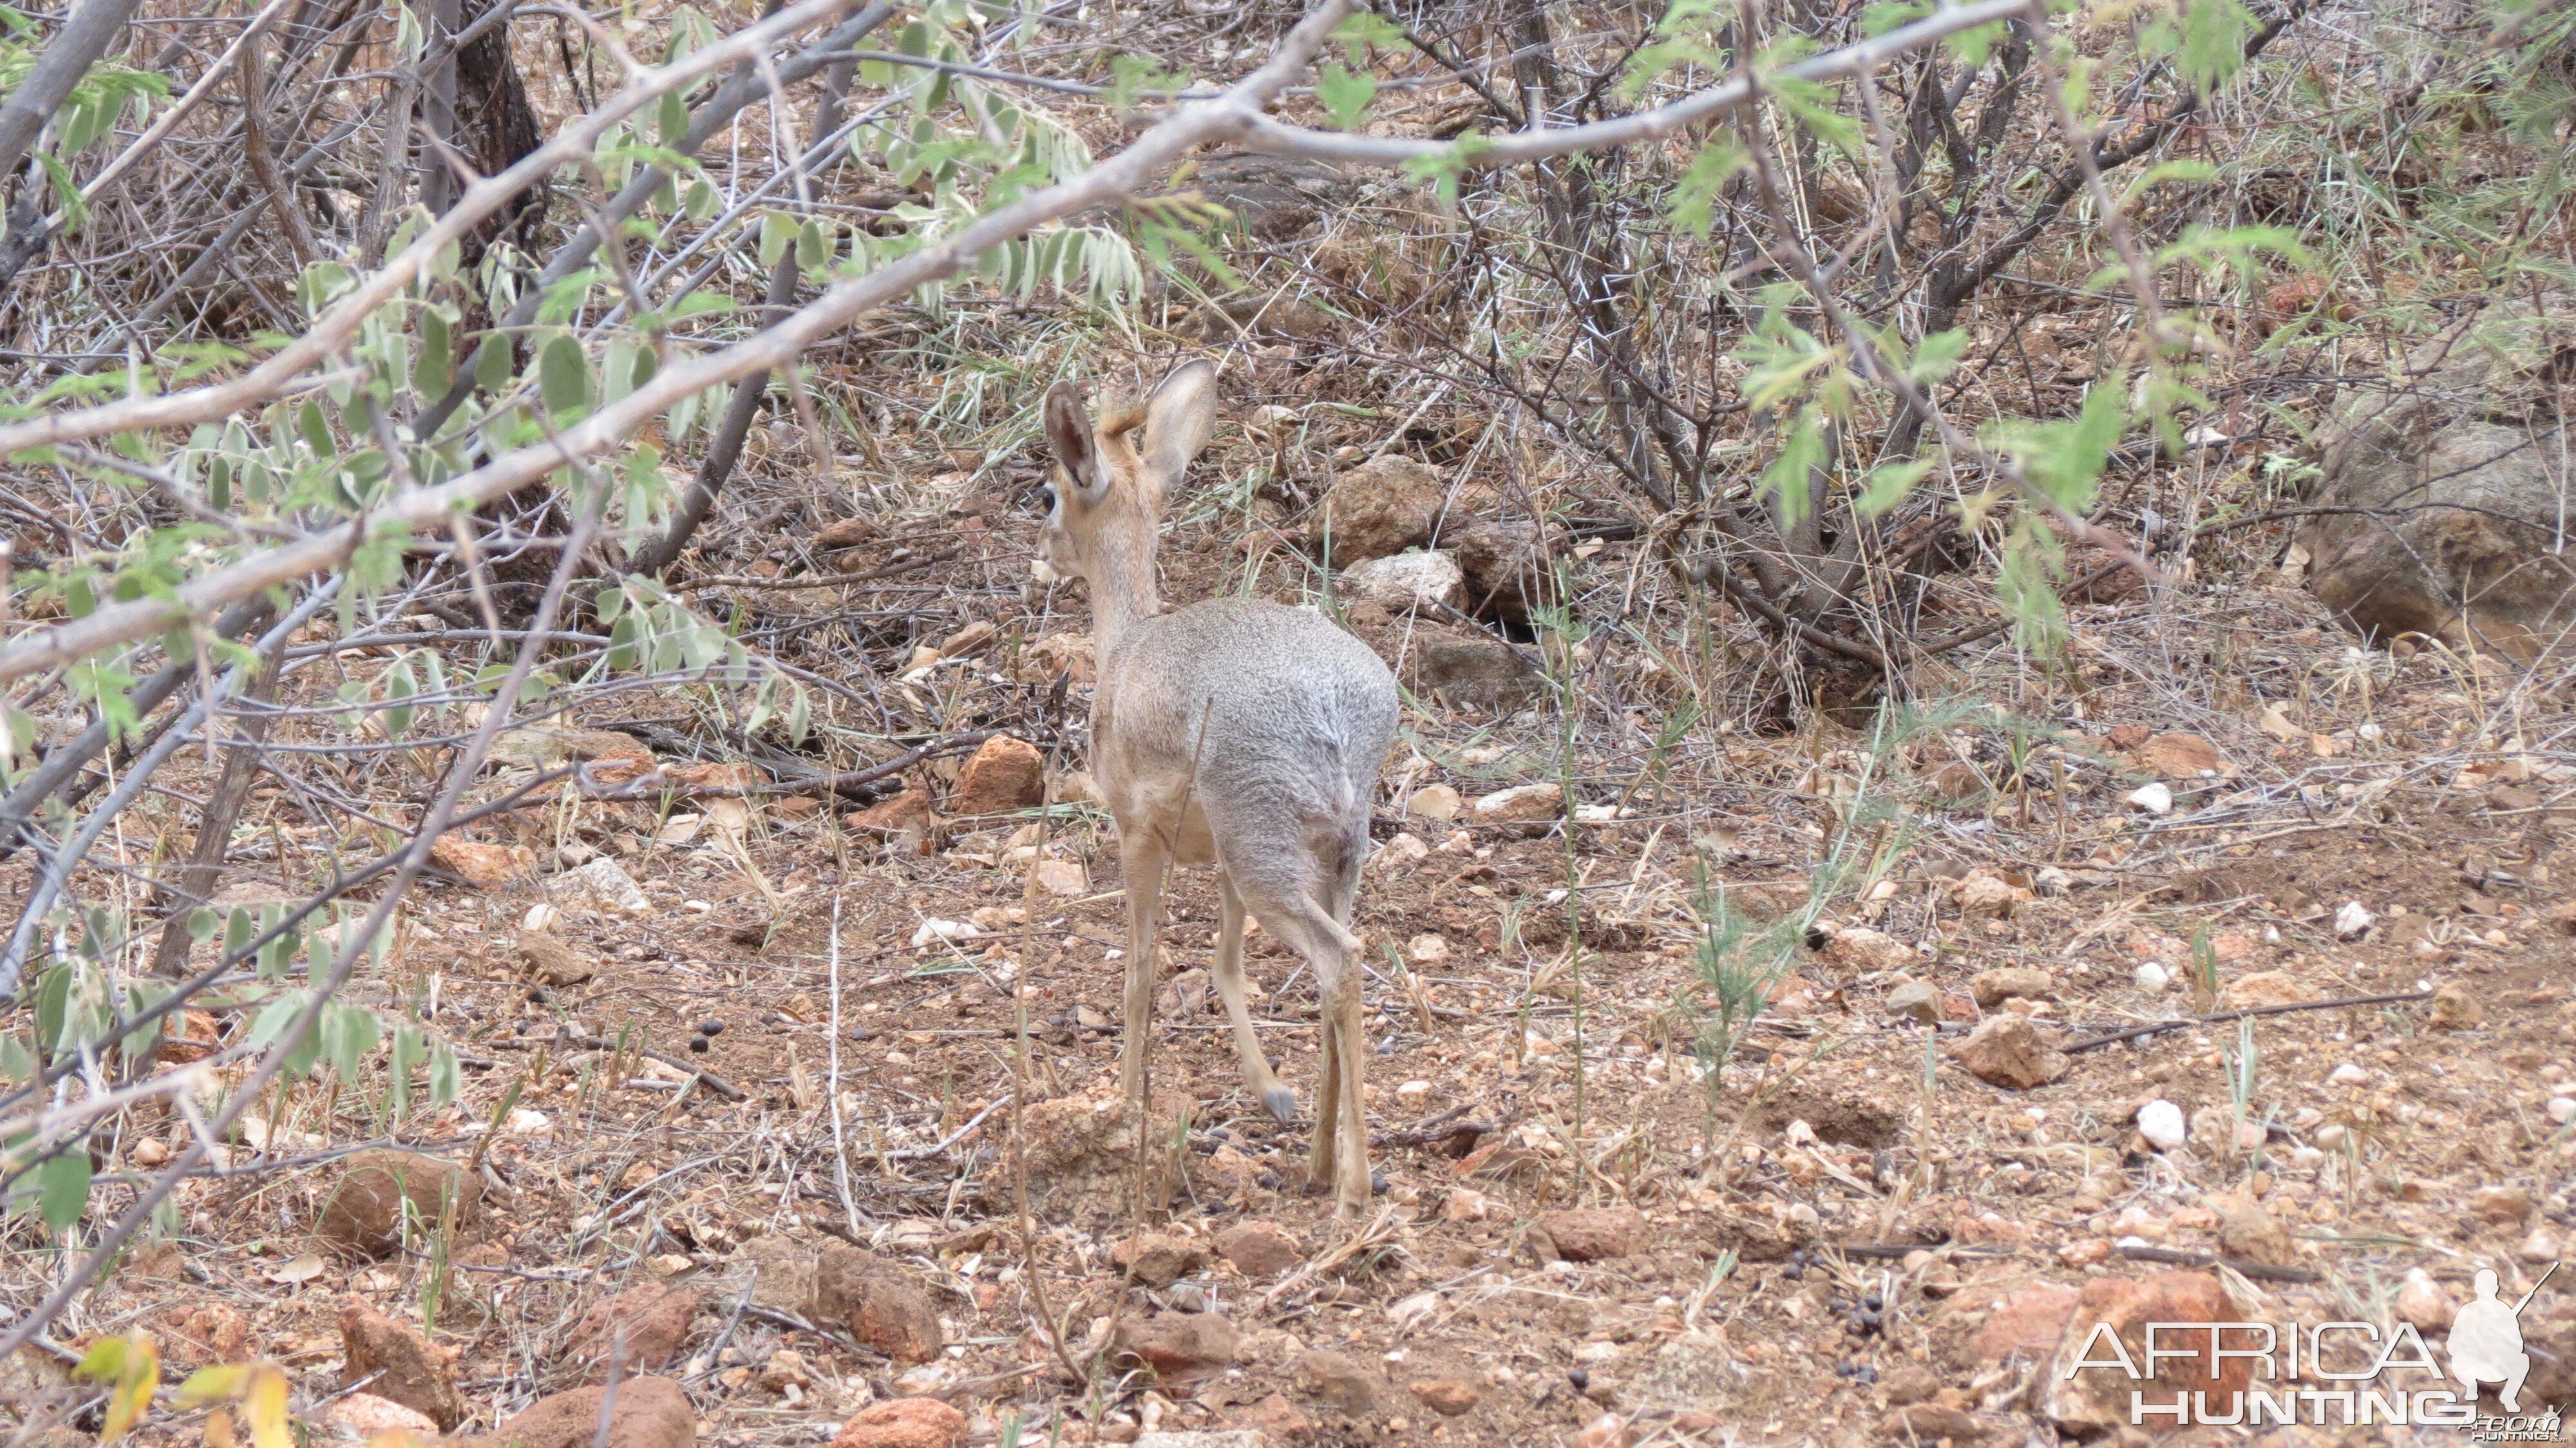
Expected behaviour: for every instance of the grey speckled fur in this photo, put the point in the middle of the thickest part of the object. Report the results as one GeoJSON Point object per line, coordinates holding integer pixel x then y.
{"type": "Point", "coordinates": [1282, 718]}
{"type": "Point", "coordinates": [1233, 732]}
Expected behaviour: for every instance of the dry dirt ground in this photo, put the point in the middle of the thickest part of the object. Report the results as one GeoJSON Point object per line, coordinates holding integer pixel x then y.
{"type": "Point", "coordinates": [1845, 1236]}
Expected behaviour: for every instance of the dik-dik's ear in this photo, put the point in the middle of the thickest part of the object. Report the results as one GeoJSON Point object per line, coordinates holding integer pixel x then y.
{"type": "Point", "coordinates": [1178, 418]}
{"type": "Point", "coordinates": [1068, 430]}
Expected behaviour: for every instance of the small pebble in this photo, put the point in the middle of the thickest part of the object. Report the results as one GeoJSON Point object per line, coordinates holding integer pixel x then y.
{"type": "Point", "coordinates": [710, 1028]}
{"type": "Point", "coordinates": [2161, 1123]}
{"type": "Point", "coordinates": [1580, 1379]}
{"type": "Point", "coordinates": [698, 1045]}
{"type": "Point", "coordinates": [2348, 1074]}
{"type": "Point", "coordinates": [2562, 1109]}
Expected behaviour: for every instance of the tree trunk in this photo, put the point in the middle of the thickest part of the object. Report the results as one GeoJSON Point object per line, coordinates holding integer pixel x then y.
{"type": "Point", "coordinates": [496, 128]}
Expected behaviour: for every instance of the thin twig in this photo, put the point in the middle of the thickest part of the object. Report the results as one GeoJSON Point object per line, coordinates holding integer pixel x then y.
{"type": "Point", "coordinates": [2156, 1027]}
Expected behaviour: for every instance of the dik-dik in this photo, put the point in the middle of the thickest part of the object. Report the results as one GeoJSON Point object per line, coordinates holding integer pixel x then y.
{"type": "Point", "coordinates": [1234, 732]}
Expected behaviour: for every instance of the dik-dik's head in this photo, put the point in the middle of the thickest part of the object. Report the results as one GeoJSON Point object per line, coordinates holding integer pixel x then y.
{"type": "Point", "coordinates": [1104, 503]}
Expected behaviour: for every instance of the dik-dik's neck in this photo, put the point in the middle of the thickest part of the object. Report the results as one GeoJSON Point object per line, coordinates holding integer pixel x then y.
{"type": "Point", "coordinates": [1122, 588]}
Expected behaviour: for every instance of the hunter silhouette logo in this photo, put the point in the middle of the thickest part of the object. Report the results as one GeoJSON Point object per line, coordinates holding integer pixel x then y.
{"type": "Point", "coordinates": [2486, 1341]}
{"type": "Point", "coordinates": [2342, 1374]}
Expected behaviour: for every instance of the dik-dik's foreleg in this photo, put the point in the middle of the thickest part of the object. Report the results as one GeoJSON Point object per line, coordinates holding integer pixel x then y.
{"type": "Point", "coordinates": [1275, 1098]}
{"type": "Point", "coordinates": [1144, 858]}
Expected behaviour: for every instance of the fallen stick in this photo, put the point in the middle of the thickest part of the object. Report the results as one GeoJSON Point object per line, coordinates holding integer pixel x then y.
{"type": "Point", "coordinates": [2255, 1270]}
{"type": "Point", "coordinates": [2155, 1027]}
{"type": "Point", "coordinates": [708, 1079]}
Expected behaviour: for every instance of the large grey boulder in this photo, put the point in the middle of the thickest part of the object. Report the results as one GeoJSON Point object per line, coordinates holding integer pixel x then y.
{"type": "Point", "coordinates": [2461, 469]}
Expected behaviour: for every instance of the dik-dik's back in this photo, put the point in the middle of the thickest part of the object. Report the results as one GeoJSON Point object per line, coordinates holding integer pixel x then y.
{"type": "Point", "coordinates": [1264, 714]}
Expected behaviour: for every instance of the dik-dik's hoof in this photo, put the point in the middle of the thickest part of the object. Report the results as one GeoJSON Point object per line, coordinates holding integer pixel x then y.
{"type": "Point", "coordinates": [1282, 1103]}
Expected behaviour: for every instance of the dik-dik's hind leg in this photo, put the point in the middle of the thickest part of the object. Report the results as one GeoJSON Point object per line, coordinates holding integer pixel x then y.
{"type": "Point", "coordinates": [1340, 1154]}
{"type": "Point", "coordinates": [1322, 1163]}
{"type": "Point", "coordinates": [1142, 855]}
{"type": "Point", "coordinates": [1277, 1099]}
{"type": "Point", "coordinates": [1351, 1180]}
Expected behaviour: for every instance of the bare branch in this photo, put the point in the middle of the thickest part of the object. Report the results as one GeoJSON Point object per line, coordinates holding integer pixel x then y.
{"type": "Point", "coordinates": [1129, 171]}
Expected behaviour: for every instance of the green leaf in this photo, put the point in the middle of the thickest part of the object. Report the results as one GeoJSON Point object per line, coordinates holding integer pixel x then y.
{"type": "Point", "coordinates": [402, 1060]}
{"type": "Point", "coordinates": [2026, 584]}
{"type": "Point", "coordinates": [400, 683]}
{"type": "Point", "coordinates": [62, 1188]}
{"type": "Point", "coordinates": [443, 1075]}
{"type": "Point", "coordinates": [1788, 477]}
{"type": "Point", "coordinates": [493, 363]}
{"type": "Point", "coordinates": [432, 371]}
{"type": "Point", "coordinates": [2211, 47]}
{"type": "Point", "coordinates": [1346, 95]}
{"type": "Point", "coordinates": [1889, 483]}
{"type": "Point", "coordinates": [777, 233]}
{"type": "Point", "coordinates": [1975, 45]}
{"type": "Point", "coordinates": [1364, 28]}
{"type": "Point", "coordinates": [563, 376]}
{"type": "Point", "coordinates": [1694, 207]}
{"type": "Point", "coordinates": [1935, 355]}
{"type": "Point", "coordinates": [1882, 16]}
{"type": "Point", "coordinates": [315, 429]}
{"type": "Point", "coordinates": [702, 304]}
{"type": "Point", "coordinates": [53, 1008]}
{"type": "Point", "coordinates": [348, 1034]}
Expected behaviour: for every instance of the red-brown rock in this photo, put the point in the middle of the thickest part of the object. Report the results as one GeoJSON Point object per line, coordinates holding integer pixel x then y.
{"type": "Point", "coordinates": [407, 1367]}
{"type": "Point", "coordinates": [365, 1211]}
{"type": "Point", "coordinates": [1004, 776]}
{"type": "Point", "coordinates": [1259, 1249]}
{"type": "Point", "coordinates": [1158, 1259]}
{"type": "Point", "coordinates": [1180, 1344]}
{"type": "Point", "coordinates": [204, 1335]}
{"type": "Point", "coordinates": [1277, 1418]}
{"type": "Point", "coordinates": [1448, 1397]}
{"type": "Point", "coordinates": [1589, 1234]}
{"type": "Point", "coordinates": [880, 1303]}
{"type": "Point", "coordinates": [909, 810]}
{"type": "Point", "coordinates": [2028, 1324]}
{"type": "Point", "coordinates": [648, 1413]}
{"type": "Point", "coordinates": [1340, 1381]}
{"type": "Point", "coordinates": [1929, 1423]}
{"type": "Point", "coordinates": [2009, 1051]}
{"type": "Point", "coordinates": [641, 1328]}
{"type": "Point", "coordinates": [844, 533]}
{"type": "Point", "coordinates": [2181, 756]}
{"type": "Point", "coordinates": [716, 779]}
{"type": "Point", "coordinates": [480, 864]}
{"type": "Point", "coordinates": [2096, 1399]}
{"type": "Point", "coordinates": [904, 1423]}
